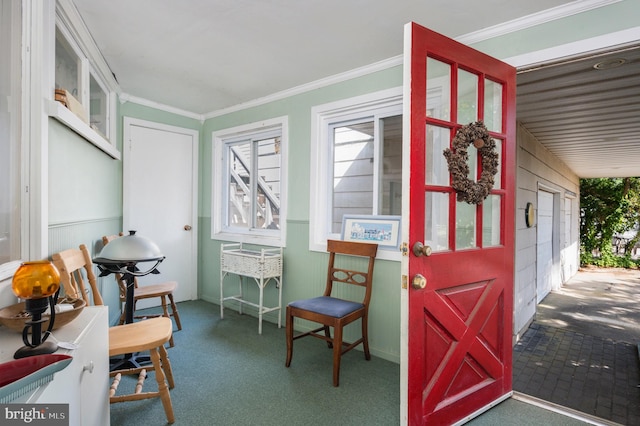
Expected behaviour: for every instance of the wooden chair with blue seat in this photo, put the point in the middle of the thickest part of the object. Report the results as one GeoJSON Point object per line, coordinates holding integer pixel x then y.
{"type": "Point", "coordinates": [334, 312]}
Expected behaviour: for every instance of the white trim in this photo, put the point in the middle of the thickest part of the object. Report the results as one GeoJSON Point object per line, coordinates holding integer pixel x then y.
{"type": "Point", "coordinates": [321, 117]}
{"type": "Point", "coordinates": [539, 18]}
{"type": "Point", "coordinates": [252, 236]}
{"type": "Point", "coordinates": [337, 78]}
{"type": "Point", "coordinates": [604, 42]}
{"type": "Point", "coordinates": [125, 97]}
{"type": "Point", "coordinates": [72, 121]}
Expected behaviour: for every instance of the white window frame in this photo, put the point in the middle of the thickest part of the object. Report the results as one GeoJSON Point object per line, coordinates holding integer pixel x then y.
{"type": "Point", "coordinates": [13, 103]}
{"type": "Point", "coordinates": [378, 104]}
{"type": "Point", "coordinates": [219, 199]}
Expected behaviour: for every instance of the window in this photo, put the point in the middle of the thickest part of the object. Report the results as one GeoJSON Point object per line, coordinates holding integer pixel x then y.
{"type": "Point", "coordinates": [10, 158]}
{"type": "Point", "coordinates": [249, 182]}
{"type": "Point", "coordinates": [356, 165]}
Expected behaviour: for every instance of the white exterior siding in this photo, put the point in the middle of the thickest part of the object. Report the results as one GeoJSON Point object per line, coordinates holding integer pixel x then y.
{"type": "Point", "coordinates": [538, 168]}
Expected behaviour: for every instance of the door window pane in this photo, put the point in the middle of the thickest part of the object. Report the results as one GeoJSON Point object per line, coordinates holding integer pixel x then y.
{"type": "Point", "coordinates": [467, 97]}
{"type": "Point", "coordinates": [438, 89]}
{"type": "Point", "coordinates": [497, 180]}
{"type": "Point", "coordinates": [491, 221]}
{"type": "Point", "coordinates": [493, 105]}
{"type": "Point", "coordinates": [436, 219]}
{"type": "Point", "coordinates": [437, 172]}
{"type": "Point", "coordinates": [465, 225]}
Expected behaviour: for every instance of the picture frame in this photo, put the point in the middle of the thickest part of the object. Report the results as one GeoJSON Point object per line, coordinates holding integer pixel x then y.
{"type": "Point", "coordinates": [383, 230]}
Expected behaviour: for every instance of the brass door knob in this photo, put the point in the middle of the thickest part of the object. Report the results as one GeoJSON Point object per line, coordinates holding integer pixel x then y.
{"type": "Point", "coordinates": [420, 249]}
{"type": "Point", "coordinates": [419, 282]}
{"type": "Point", "coordinates": [187, 227]}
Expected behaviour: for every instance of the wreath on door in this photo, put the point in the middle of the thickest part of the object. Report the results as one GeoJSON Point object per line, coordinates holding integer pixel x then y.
{"type": "Point", "coordinates": [468, 190]}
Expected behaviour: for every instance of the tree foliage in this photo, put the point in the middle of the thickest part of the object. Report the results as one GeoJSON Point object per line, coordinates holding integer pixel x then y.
{"type": "Point", "coordinates": [608, 207]}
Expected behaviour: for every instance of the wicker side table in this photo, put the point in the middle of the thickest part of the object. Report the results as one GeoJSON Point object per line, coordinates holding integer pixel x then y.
{"type": "Point", "coordinates": [263, 266]}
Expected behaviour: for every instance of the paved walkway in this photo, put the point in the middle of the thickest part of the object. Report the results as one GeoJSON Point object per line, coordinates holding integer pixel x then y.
{"type": "Point", "coordinates": [581, 352]}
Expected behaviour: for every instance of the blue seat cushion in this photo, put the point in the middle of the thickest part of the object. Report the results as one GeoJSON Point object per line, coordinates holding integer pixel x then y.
{"type": "Point", "coordinates": [326, 305]}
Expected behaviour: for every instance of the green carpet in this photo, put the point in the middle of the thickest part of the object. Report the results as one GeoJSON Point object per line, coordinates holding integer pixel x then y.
{"type": "Point", "coordinates": [228, 374]}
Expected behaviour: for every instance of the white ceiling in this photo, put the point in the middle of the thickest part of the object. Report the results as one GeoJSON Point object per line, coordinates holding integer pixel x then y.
{"type": "Point", "coordinates": [203, 56]}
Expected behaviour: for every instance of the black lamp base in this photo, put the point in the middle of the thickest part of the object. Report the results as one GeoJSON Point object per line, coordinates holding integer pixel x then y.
{"type": "Point", "coordinates": [42, 349]}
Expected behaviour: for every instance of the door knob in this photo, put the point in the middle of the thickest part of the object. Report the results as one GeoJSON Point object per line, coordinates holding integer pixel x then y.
{"type": "Point", "coordinates": [187, 227]}
{"type": "Point", "coordinates": [419, 282]}
{"type": "Point", "coordinates": [420, 249]}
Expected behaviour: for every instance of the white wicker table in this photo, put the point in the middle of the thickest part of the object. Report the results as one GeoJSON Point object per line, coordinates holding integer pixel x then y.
{"type": "Point", "coordinates": [263, 266]}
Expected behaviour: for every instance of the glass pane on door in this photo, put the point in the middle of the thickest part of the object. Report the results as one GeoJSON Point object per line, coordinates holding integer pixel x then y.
{"type": "Point", "coordinates": [491, 221]}
{"type": "Point", "coordinates": [467, 97]}
{"type": "Point", "coordinates": [436, 219]}
{"type": "Point", "coordinates": [493, 105]}
{"type": "Point", "coordinates": [437, 171]}
{"type": "Point", "coordinates": [465, 225]}
{"type": "Point", "coordinates": [438, 89]}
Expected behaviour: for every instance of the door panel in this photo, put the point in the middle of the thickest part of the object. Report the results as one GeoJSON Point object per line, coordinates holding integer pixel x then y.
{"type": "Point", "coordinates": [459, 326]}
{"type": "Point", "coordinates": [544, 260]}
{"type": "Point", "coordinates": [160, 189]}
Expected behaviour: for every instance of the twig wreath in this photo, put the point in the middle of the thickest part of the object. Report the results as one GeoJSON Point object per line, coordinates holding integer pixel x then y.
{"type": "Point", "coordinates": [467, 190]}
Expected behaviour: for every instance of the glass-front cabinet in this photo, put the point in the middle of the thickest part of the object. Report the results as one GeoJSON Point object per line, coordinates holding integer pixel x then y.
{"type": "Point", "coordinates": [84, 96]}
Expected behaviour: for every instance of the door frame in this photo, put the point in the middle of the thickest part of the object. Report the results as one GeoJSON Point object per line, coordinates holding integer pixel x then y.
{"type": "Point", "coordinates": [127, 166]}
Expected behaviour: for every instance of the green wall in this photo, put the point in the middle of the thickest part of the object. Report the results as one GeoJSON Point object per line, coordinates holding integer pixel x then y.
{"type": "Point", "coordinates": [85, 186]}
{"type": "Point", "coordinates": [304, 271]}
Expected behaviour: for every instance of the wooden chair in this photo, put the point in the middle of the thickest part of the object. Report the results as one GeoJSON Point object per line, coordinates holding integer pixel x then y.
{"type": "Point", "coordinates": [162, 290]}
{"type": "Point", "coordinates": [335, 312]}
{"type": "Point", "coordinates": [149, 335]}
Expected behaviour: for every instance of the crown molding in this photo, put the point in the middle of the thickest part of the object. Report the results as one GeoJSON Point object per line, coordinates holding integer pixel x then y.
{"type": "Point", "coordinates": [125, 97]}
{"type": "Point", "coordinates": [539, 18]}
{"type": "Point", "coordinates": [317, 84]}
{"type": "Point", "coordinates": [559, 12]}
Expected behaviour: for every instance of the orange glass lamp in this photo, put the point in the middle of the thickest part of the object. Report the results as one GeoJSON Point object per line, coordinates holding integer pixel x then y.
{"type": "Point", "coordinates": [37, 282]}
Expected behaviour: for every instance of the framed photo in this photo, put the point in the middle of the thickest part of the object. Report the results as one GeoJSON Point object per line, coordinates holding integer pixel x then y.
{"type": "Point", "coordinates": [382, 230]}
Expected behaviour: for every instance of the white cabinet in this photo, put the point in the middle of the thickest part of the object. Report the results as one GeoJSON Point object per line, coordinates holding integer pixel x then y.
{"type": "Point", "coordinates": [84, 383]}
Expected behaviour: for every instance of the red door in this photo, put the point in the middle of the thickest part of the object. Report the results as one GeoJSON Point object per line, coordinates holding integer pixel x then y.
{"type": "Point", "coordinates": [457, 308]}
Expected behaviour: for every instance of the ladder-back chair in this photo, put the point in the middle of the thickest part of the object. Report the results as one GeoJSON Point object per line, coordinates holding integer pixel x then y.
{"type": "Point", "coordinates": [162, 290]}
{"type": "Point", "coordinates": [334, 312]}
{"type": "Point", "coordinates": [149, 335]}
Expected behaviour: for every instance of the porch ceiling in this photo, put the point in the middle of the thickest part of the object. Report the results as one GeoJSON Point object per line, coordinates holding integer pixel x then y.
{"type": "Point", "coordinates": [203, 56]}
{"type": "Point", "coordinates": [587, 112]}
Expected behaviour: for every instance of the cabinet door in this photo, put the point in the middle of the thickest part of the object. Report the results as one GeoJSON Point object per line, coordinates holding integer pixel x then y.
{"type": "Point", "coordinates": [84, 384]}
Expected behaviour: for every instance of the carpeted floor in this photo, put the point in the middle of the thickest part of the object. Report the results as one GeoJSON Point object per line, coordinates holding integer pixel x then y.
{"type": "Point", "coordinates": [228, 374]}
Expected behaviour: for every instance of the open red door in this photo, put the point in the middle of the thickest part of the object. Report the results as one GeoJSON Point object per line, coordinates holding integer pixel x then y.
{"type": "Point", "coordinates": [458, 263]}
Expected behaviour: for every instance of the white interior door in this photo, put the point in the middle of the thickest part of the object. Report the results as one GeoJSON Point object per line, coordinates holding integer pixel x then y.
{"type": "Point", "coordinates": [545, 245]}
{"type": "Point", "coordinates": [160, 169]}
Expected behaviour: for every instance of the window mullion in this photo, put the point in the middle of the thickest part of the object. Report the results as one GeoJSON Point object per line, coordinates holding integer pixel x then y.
{"type": "Point", "coordinates": [377, 163]}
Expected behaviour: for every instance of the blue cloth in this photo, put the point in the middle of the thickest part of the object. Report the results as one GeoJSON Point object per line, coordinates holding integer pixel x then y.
{"type": "Point", "coordinates": [326, 305]}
